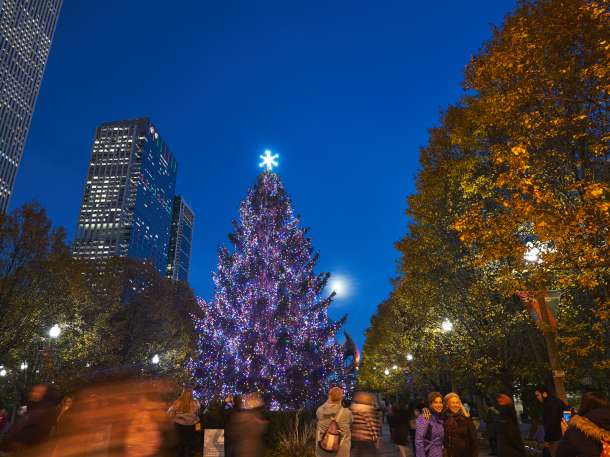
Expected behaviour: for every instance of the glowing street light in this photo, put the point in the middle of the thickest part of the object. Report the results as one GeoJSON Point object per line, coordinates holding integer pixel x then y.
{"type": "Point", "coordinates": [23, 366]}
{"type": "Point", "coordinates": [55, 331]}
{"type": "Point", "coordinates": [155, 359]}
{"type": "Point", "coordinates": [386, 372]}
{"type": "Point", "coordinates": [447, 326]}
{"type": "Point", "coordinates": [532, 253]}
{"type": "Point", "coordinates": [394, 367]}
{"type": "Point", "coordinates": [2, 371]}
{"type": "Point", "coordinates": [410, 357]}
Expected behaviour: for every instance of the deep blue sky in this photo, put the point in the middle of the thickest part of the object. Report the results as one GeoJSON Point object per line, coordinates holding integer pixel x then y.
{"type": "Point", "coordinates": [344, 91]}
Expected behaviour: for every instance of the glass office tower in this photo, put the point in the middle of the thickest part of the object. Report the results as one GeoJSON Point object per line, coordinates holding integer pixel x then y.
{"type": "Point", "coordinates": [179, 257]}
{"type": "Point", "coordinates": [127, 204]}
{"type": "Point", "coordinates": [26, 33]}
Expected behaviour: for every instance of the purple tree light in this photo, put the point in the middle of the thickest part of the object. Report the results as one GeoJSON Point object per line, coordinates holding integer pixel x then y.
{"type": "Point", "coordinates": [267, 328]}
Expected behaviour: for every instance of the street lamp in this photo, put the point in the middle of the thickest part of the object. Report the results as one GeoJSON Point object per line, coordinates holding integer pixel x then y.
{"type": "Point", "coordinates": [447, 326]}
{"type": "Point", "coordinates": [155, 359]}
{"type": "Point", "coordinates": [386, 372]}
{"type": "Point", "coordinates": [541, 305]}
{"type": "Point", "coordinates": [23, 366]}
{"type": "Point", "coordinates": [55, 331]}
{"type": "Point", "coordinates": [2, 371]}
{"type": "Point", "coordinates": [410, 357]}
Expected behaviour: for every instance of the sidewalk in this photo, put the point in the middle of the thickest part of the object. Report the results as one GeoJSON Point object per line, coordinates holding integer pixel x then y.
{"type": "Point", "coordinates": [388, 449]}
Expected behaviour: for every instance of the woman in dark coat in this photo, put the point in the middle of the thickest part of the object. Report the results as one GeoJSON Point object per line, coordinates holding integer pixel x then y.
{"type": "Point", "coordinates": [399, 424]}
{"type": "Point", "coordinates": [588, 429]}
{"type": "Point", "coordinates": [509, 442]}
{"type": "Point", "coordinates": [247, 426]}
{"type": "Point", "coordinates": [461, 438]}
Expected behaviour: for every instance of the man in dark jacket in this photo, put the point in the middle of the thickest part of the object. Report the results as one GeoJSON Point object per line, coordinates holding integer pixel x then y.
{"type": "Point", "coordinates": [552, 414]}
{"type": "Point", "coordinates": [587, 430]}
{"type": "Point", "coordinates": [509, 442]}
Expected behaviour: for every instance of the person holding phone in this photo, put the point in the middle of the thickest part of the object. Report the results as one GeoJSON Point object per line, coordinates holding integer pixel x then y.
{"type": "Point", "coordinates": [589, 429]}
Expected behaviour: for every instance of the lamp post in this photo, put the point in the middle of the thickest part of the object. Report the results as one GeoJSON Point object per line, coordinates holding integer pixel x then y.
{"type": "Point", "coordinates": [541, 305]}
{"type": "Point", "coordinates": [55, 331]}
{"type": "Point", "coordinates": [446, 328]}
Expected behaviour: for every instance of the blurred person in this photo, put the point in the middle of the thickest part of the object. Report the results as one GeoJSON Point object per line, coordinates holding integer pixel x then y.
{"type": "Point", "coordinates": [399, 421]}
{"type": "Point", "coordinates": [63, 408]}
{"type": "Point", "coordinates": [120, 415]}
{"type": "Point", "coordinates": [184, 413]}
{"type": "Point", "coordinates": [552, 416]}
{"type": "Point", "coordinates": [429, 433]}
{"type": "Point", "coordinates": [508, 436]}
{"type": "Point", "coordinates": [589, 430]}
{"type": "Point", "coordinates": [34, 426]}
{"type": "Point", "coordinates": [461, 437]}
{"type": "Point", "coordinates": [4, 420]}
{"type": "Point", "coordinates": [415, 409]}
{"type": "Point", "coordinates": [331, 410]}
{"type": "Point", "coordinates": [366, 425]}
{"type": "Point", "coordinates": [490, 417]}
{"type": "Point", "coordinates": [247, 426]}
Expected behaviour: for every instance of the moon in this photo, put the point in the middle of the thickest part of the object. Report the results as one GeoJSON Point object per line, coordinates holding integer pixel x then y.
{"type": "Point", "coordinates": [340, 285]}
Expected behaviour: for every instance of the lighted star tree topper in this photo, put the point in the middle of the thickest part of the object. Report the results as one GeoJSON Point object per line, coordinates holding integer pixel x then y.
{"type": "Point", "coordinates": [267, 328]}
{"type": "Point", "coordinates": [269, 160]}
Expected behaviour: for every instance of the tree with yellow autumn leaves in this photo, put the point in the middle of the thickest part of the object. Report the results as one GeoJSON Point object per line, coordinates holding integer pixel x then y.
{"type": "Point", "coordinates": [521, 163]}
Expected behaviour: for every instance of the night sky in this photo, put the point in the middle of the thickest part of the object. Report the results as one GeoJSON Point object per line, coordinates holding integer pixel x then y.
{"type": "Point", "coordinates": [344, 91]}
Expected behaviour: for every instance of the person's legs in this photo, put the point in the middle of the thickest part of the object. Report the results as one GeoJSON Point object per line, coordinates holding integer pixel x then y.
{"type": "Point", "coordinates": [190, 439]}
{"type": "Point", "coordinates": [403, 451]}
{"type": "Point", "coordinates": [553, 445]}
{"type": "Point", "coordinates": [186, 440]}
{"type": "Point", "coordinates": [357, 450]}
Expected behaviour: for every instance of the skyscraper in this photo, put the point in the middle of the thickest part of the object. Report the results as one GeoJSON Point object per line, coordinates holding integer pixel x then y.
{"type": "Point", "coordinates": [179, 256]}
{"type": "Point", "coordinates": [26, 33]}
{"type": "Point", "coordinates": [127, 204]}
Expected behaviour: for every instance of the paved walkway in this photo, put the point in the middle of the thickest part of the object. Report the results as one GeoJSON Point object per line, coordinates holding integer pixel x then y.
{"type": "Point", "coordinates": [388, 449]}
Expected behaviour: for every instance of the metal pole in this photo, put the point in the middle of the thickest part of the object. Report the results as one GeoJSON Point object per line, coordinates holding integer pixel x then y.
{"type": "Point", "coordinates": [547, 300]}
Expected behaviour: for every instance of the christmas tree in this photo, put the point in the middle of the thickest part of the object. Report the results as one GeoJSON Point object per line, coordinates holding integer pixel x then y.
{"type": "Point", "coordinates": [267, 328]}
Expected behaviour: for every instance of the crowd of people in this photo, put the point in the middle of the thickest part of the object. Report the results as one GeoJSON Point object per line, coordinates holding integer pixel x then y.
{"type": "Point", "coordinates": [131, 418]}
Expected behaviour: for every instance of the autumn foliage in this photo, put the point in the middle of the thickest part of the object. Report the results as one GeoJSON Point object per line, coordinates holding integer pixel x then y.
{"type": "Point", "coordinates": [520, 162]}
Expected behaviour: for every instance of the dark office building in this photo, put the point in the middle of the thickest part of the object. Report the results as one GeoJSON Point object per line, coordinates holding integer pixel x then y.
{"type": "Point", "coordinates": [179, 256]}
{"type": "Point", "coordinates": [127, 204]}
{"type": "Point", "coordinates": [26, 33]}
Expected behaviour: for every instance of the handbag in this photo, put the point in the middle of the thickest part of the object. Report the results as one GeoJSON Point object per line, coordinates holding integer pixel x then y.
{"type": "Point", "coordinates": [605, 449]}
{"type": "Point", "coordinates": [331, 439]}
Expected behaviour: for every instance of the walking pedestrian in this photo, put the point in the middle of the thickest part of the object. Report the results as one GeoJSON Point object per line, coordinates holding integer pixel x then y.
{"type": "Point", "coordinates": [33, 428]}
{"type": "Point", "coordinates": [429, 432]}
{"type": "Point", "coordinates": [490, 419]}
{"type": "Point", "coordinates": [4, 420]}
{"type": "Point", "coordinates": [589, 430]}
{"type": "Point", "coordinates": [331, 410]}
{"type": "Point", "coordinates": [415, 410]}
{"type": "Point", "coordinates": [461, 438]}
{"type": "Point", "coordinates": [247, 426]}
{"type": "Point", "coordinates": [184, 412]}
{"type": "Point", "coordinates": [509, 441]}
{"type": "Point", "coordinates": [399, 420]}
{"type": "Point", "coordinates": [366, 425]}
{"type": "Point", "coordinates": [552, 415]}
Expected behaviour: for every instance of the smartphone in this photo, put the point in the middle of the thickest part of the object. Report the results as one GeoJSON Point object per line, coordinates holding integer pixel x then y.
{"type": "Point", "coordinates": [567, 415]}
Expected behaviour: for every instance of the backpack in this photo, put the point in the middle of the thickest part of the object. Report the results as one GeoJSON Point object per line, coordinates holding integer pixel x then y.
{"type": "Point", "coordinates": [331, 439]}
